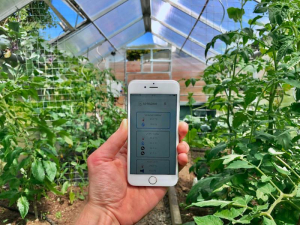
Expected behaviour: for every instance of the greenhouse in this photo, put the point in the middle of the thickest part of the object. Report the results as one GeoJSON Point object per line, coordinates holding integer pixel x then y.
{"type": "Point", "coordinates": [105, 104]}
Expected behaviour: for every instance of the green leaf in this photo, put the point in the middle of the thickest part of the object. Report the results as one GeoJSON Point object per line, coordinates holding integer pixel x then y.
{"type": "Point", "coordinates": [238, 119]}
{"type": "Point", "coordinates": [294, 83]}
{"type": "Point", "coordinates": [51, 187]}
{"type": "Point", "coordinates": [295, 107]}
{"type": "Point", "coordinates": [265, 178]}
{"type": "Point", "coordinates": [298, 191]}
{"type": "Point", "coordinates": [194, 80]}
{"type": "Point", "coordinates": [264, 189]}
{"type": "Point", "coordinates": [258, 208]}
{"type": "Point", "coordinates": [68, 140]}
{"type": "Point", "coordinates": [65, 187]}
{"type": "Point", "coordinates": [285, 47]}
{"type": "Point", "coordinates": [216, 202]}
{"type": "Point", "coordinates": [195, 192]}
{"type": "Point", "coordinates": [297, 94]}
{"type": "Point", "coordinates": [261, 8]}
{"type": "Point", "coordinates": [71, 197]}
{"type": "Point", "coordinates": [264, 136]}
{"type": "Point", "coordinates": [59, 122]}
{"type": "Point", "coordinates": [254, 20]}
{"type": "Point", "coordinates": [240, 165]}
{"type": "Point", "coordinates": [51, 169]}
{"type": "Point", "coordinates": [230, 214]}
{"type": "Point", "coordinates": [208, 220]}
{"type": "Point", "coordinates": [272, 151]}
{"type": "Point", "coordinates": [282, 170]}
{"type": "Point", "coordinates": [250, 95]}
{"type": "Point", "coordinates": [23, 206]}
{"type": "Point", "coordinates": [8, 194]}
{"type": "Point", "coordinates": [235, 13]}
{"type": "Point", "coordinates": [214, 151]}
{"type": "Point", "coordinates": [38, 170]}
{"type": "Point", "coordinates": [243, 201]}
{"type": "Point", "coordinates": [187, 82]}
{"type": "Point", "coordinates": [267, 221]}
{"type": "Point", "coordinates": [231, 157]}
{"type": "Point", "coordinates": [2, 86]}
{"type": "Point", "coordinates": [15, 26]}
{"type": "Point", "coordinates": [246, 219]}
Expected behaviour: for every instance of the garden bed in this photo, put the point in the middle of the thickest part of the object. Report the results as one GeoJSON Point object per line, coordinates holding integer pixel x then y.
{"type": "Point", "coordinates": [59, 210]}
{"type": "Point", "coordinates": [184, 186]}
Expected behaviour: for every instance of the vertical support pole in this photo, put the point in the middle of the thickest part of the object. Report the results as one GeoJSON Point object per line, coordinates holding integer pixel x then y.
{"type": "Point", "coordinates": [170, 69]}
{"type": "Point", "coordinates": [151, 59]}
{"type": "Point", "coordinates": [125, 82]}
{"type": "Point", "coordinates": [142, 63]}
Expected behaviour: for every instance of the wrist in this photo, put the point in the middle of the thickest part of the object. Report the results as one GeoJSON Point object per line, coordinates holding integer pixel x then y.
{"type": "Point", "coordinates": [96, 215]}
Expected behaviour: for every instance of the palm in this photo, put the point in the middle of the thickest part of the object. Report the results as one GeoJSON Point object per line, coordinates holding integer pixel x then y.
{"type": "Point", "coordinates": [120, 197]}
{"type": "Point", "coordinates": [108, 179]}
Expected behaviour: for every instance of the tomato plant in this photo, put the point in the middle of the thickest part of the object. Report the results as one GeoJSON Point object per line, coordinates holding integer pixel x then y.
{"type": "Point", "coordinates": [253, 173]}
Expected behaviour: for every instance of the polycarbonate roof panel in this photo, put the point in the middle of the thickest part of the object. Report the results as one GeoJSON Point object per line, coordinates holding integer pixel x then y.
{"type": "Point", "coordinates": [9, 7]}
{"type": "Point", "coordinates": [196, 50]}
{"type": "Point", "coordinates": [105, 48]}
{"type": "Point", "coordinates": [69, 14]}
{"type": "Point", "coordinates": [82, 40]}
{"type": "Point", "coordinates": [204, 34]}
{"type": "Point", "coordinates": [172, 16]}
{"type": "Point", "coordinates": [171, 36]}
{"type": "Point", "coordinates": [195, 6]}
{"type": "Point", "coordinates": [94, 8]}
{"type": "Point", "coordinates": [120, 17]}
{"type": "Point", "coordinates": [128, 35]}
{"type": "Point", "coordinates": [214, 13]}
{"type": "Point", "coordinates": [99, 52]}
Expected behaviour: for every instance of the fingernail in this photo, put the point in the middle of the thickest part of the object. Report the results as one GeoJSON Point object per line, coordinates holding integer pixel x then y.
{"type": "Point", "coordinates": [123, 124]}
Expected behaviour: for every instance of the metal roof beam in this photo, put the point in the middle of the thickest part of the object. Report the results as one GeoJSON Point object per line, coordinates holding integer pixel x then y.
{"type": "Point", "coordinates": [59, 15]}
{"type": "Point", "coordinates": [159, 36]}
{"type": "Point", "coordinates": [204, 7]}
{"type": "Point", "coordinates": [146, 9]}
{"type": "Point", "coordinates": [183, 35]}
{"type": "Point", "coordinates": [112, 35]}
{"type": "Point", "coordinates": [99, 30]}
{"type": "Point", "coordinates": [195, 15]}
{"type": "Point", "coordinates": [132, 39]}
{"type": "Point", "coordinates": [9, 11]}
{"type": "Point", "coordinates": [107, 10]}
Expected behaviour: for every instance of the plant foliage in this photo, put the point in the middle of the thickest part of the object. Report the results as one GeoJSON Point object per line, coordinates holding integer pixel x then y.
{"type": "Point", "coordinates": [55, 109]}
{"type": "Point", "coordinates": [253, 173]}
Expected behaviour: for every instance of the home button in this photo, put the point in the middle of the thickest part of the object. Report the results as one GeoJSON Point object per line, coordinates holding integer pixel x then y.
{"type": "Point", "coordinates": [152, 180]}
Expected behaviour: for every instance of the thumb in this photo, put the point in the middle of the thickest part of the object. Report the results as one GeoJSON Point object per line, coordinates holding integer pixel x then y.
{"type": "Point", "coordinates": [112, 146]}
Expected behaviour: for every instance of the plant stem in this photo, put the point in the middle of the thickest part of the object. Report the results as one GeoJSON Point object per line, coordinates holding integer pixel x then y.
{"type": "Point", "coordinates": [35, 208]}
{"type": "Point", "coordinates": [277, 201]}
{"type": "Point", "coordinates": [255, 110]}
{"type": "Point", "coordinates": [267, 214]}
{"type": "Point", "coordinates": [262, 173]}
{"type": "Point", "coordinates": [284, 163]}
{"type": "Point", "coordinates": [270, 111]}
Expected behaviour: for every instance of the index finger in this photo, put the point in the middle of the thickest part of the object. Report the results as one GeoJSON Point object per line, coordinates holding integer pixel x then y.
{"type": "Point", "coordinates": [183, 128]}
{"type": "Point", "coordinates": [112, 146]}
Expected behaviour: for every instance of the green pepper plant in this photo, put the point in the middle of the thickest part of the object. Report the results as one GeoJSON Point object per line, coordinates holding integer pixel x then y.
{"type": "Point", "coordinates": [55, 109]}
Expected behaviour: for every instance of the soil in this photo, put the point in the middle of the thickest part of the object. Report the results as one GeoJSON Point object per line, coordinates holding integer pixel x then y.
{"type": "Point", "coordinates": [59, 210]}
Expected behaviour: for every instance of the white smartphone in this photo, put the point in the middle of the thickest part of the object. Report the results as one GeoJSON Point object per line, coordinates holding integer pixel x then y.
{"type": "Point", "coordinates": [153, 116]}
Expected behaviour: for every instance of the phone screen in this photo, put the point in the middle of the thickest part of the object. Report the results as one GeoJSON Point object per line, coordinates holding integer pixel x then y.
{"type": "Point", "coordinates": [153, 134]}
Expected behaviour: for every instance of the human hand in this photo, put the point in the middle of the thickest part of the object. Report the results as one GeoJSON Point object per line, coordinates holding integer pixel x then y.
{"type": "Point", "coordinates": [112, 200]}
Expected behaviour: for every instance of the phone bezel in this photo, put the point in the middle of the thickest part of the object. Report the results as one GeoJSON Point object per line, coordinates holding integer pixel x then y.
{"type": "Point", "coordinates": [160, 87]}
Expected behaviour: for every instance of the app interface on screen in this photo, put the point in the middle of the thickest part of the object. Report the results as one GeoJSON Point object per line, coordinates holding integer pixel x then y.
{"type": "Point", "coordinates": [153, 134]}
